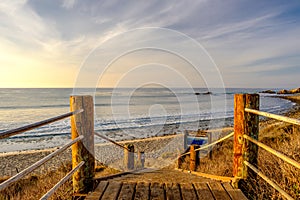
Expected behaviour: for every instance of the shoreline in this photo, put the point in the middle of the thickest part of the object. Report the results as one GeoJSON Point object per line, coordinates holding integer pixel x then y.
{"type": "Point", "coordinates": [155, 147]}
{"type": "Point", "coordinates": [295, 98]}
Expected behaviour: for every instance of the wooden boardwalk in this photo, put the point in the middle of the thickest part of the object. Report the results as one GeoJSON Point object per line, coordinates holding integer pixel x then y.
{"type": "Point", "coordinates": [111, 190]}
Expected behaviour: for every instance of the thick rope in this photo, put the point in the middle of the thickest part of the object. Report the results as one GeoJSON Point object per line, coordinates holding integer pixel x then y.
{"type": "Point", "coordinates": [211, 144]}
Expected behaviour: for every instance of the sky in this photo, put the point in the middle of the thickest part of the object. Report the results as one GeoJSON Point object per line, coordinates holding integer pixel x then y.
{"type": "Point", "coordinates": [253, 44]}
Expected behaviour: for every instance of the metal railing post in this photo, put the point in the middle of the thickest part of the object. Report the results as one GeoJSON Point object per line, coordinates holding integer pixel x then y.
{"type": "Point", "coordinates": [83, 124]}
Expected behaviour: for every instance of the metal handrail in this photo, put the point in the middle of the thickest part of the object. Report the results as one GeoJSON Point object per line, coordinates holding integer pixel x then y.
{"type": "Point", "coordinates": [274, 185]}
{"type": "Point", "coordinates": [34, 166]}
{"type": "Point", "coordinates": [106, 138]}
{"type": "Point", "coordinates": [274, 152]}
{"type": "Point", "coordinates": [62, 181]}
{"type": "Point", "coordinates": [38, 164]}
{"type": "Point", "coordinates": [273, 116]}
{"type": "Point", "coordinates": [19, 130]}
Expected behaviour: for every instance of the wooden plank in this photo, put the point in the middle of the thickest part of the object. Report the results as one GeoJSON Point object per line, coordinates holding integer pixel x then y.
{"type": "Point", "coordinates": [218, 191]}
{"type": "Point", "coordinates": [112, 191]}
{"type": "Point", "coordinates": [188, 192]}
{"type": "Point", "coordinates": [127, 191]}
{"type": "Point", "coordinates": [235, 194]}
{"type": "Point", "coordinates": [83, 124]}
{"type": "Point", "coordinates": [142, 191]}
{"type": "Point", "coordinates": [98, 176]}
{"type": "Point", "coordinates": [97, 194]}
{"type": "Point", "coordinates": [227, 186]}
{"type": "Point", "coordinates": [157, 191]}
{"type": "Point", "coordinates": [210, 176]}
{"type": "Point", "coordinates": [172, 191]}
{"type": "Point", "coordinates": [203, 191]}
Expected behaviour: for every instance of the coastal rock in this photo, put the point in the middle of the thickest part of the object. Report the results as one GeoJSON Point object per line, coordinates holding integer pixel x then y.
{"type": "Point", "coordinates": [268, 91]}
{"type": "Point", "coordinates": [293, 91]}
{"type": "Point", "coordinates": [283, 92]}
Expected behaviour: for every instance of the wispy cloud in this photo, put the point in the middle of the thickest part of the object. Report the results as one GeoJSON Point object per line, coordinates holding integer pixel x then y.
{"type": "Point", "coordinates": [68, 4]}
{"type": "Point", "coordinates": [242, 37]}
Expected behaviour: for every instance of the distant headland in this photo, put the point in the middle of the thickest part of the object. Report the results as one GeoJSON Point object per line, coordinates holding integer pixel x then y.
{"type": "Point", "coordinates": [292, 91]}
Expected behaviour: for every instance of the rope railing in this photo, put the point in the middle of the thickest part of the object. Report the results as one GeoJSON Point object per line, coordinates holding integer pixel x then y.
{"type": "Point", "coordinates": [274, 152]}
{"type": "Point", "coordinates": [62, 181]}
{"type": "Point", "coordinates": [19, 130]}
{"type": "Point", "coordinates": [110, 140]}
{"type": "Point", "coordinates": [211, 144]}
{"type": "Point", "coordinates": [264, 177]}
{"type": "Point", "coordinates": [252, 135]}
{"type": "Point", "coordinates": [34, 166]}
{"type": "Point", "coordinates": [273, 116]}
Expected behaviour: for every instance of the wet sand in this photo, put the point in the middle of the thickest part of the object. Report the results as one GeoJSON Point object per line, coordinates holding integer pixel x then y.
{"type": "Point", "coordinates": [159, 151]}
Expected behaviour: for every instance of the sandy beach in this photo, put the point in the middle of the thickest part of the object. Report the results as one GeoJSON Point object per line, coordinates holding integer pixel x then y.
{"type": "Point", "coordinates": [106, 153]}
{"type": "Point", "coordinates": [159, 151]}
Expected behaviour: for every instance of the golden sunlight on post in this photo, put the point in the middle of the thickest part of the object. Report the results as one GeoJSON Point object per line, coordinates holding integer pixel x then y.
{"type": "Point", "coordinates": [244, 124]}
{"type": "Point", "coordinates": [83, 124]}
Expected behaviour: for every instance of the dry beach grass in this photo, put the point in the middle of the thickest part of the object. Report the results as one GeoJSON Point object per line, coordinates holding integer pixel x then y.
{"type": "Point", "coordinates": [280, 136]}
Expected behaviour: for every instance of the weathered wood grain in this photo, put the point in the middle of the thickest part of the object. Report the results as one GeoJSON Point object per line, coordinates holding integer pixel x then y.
{"type": "Point", "coordinates": [127, 191]}
{"type": "Point", "coordinates": [83, 124]}
{"type": "Point", "coordinates": [188, 192]}
{"type": "Point", "coordinates": [142, 191]}
{"type": "Point", "coordinates": [172, 191]}
{"type": "Point", "coordinates": [203, 191]}
{"type": "Point", "coordinates": [157, 191]}
{"type": "Point", "coordinates": [218, 191]}
{"type": "Point", "coordinates": [112, 191]}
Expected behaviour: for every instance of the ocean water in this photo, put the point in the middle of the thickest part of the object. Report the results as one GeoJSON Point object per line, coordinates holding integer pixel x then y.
{"type": "Point", "coordinates": [121, 113]}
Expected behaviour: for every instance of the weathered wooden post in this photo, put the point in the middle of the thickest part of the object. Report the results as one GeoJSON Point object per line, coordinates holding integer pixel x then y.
{"type": "Point", "coordinates": [129, 157]}
{"type": "Point", "coordinates": [194, 161]}
{"type": "Point", "coordinates": [141, 158]}
{"type": "Point", "coordinates": [244, 123]}
{"type": "Point", "coordinates": [209, 141]}
{"type": "Point", "coordinates": [179, 161]}
{"type": "Point", "coordinates": [83, 124]}
{"type": "Point", "coordinates": [185, 140]}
